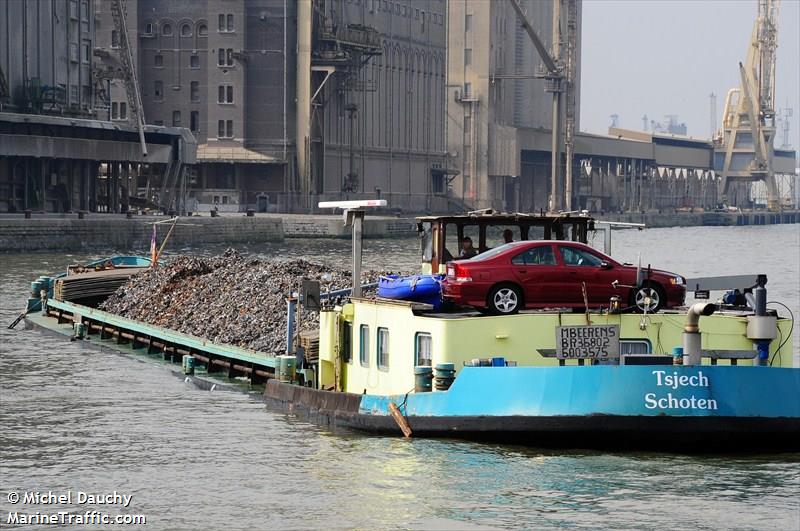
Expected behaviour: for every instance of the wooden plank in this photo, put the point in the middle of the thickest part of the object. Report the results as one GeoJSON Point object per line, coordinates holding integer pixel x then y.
{"type": "Point", "coordinates": [400, 419]}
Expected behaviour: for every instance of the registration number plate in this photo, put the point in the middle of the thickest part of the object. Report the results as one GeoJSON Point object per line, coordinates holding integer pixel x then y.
{"type": "Point", "coordinates": [595, 342]}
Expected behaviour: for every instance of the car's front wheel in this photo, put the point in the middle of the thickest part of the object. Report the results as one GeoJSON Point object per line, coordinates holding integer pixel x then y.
{"type": "Point", "coordinates": [649, 297]}
{"type": "Point", "coordinates": [505, 299]}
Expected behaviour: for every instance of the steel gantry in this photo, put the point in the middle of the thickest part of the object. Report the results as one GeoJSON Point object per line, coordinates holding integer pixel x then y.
{"type": "Point", "coordinates": [745, 143]}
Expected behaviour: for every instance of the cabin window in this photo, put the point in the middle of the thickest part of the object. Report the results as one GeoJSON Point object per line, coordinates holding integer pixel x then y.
{"type": "Point", "coordinates": [496, 235]}
{"type": "Point", "coordinates": [363, 346]}
{"type": "Point", "coordinates": [451, 244]}
{"type": "Point", "coordinates": [347, 342]}
{"type": "Point", "coordinates": [383, 348]}
{"type": "Point", "coordinates": [473, 232]}
{"type": "Point", "coordinates": [422, 349]}
{"type": "Point", "coordinates": [635, 346]}
{"type": "Point", "coordinates": [426, 242]}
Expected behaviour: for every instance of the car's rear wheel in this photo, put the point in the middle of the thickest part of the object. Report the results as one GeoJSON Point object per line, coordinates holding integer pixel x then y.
{"type": "Point", "coordinates": [505, 299]}
{"type": "Point", "coordinates": [650, 297]}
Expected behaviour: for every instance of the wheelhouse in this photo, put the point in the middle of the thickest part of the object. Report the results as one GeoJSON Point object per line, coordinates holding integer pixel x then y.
{"type": "Point", "coordinates": [441, 236]}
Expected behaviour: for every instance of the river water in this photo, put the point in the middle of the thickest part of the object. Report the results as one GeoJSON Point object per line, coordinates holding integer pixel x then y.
{"type": "Point", "coordinates": [73, 418]}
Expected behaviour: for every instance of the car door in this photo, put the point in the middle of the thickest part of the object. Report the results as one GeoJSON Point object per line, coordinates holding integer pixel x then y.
{"type": "Point", "coordinates": [536, 270]}
{"type": "Point", "coordinates": [605, 274]}
{"type": "Point", "coordinates": [580, 266]}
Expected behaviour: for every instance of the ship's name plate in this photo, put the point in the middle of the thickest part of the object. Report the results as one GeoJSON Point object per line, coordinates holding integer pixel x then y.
{"type": "Point", "coordinates": [595, 342]}
{"type": "Point", "coordinates": [678, 382]}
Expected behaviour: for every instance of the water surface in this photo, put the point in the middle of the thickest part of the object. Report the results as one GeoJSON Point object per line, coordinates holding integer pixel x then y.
{"type": "Point", "coordinates": [76, 418]}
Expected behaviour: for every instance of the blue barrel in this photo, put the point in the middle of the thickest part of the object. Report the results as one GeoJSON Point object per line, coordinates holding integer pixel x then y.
{"type": "Point", "coordinates": [444, 374]}
{"type": "Point", "coordinates": [498, 362]}
{"type": "Point", "coordinates": [423, 379]}
{"type": "Point", "coordinates": [46, 285]}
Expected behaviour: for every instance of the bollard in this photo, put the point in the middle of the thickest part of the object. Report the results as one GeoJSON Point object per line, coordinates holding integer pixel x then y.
{"type": "Point", "coordinates": [80, 331]}
{"type": "Point", "coordinates": [187, 364]}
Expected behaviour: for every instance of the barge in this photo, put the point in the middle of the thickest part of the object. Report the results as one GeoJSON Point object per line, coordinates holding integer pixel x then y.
{"type": "Point", "coordinates": [708, 378]}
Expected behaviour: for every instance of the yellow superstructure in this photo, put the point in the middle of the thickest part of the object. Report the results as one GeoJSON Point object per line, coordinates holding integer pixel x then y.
{"type": "Point", "coordinates": [372, 345]}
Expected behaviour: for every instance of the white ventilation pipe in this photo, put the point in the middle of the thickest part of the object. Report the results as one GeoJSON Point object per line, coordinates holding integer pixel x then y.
{"type": "Point", "coordinates": [692, 352]}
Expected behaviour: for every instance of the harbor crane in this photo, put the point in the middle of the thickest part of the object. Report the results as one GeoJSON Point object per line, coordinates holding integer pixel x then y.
{"type": "Point", "coordinates": [749, 118]}
{"type": "Point", "coordinates": [125, 70]}
{"type": "Point", "coordinates": [559, 72]}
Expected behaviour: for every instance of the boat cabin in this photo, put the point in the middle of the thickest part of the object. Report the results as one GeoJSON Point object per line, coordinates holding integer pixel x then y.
{"type": "Point", "coordinates": [372, 346]}
{"type": "Point", "coordinates": [441, 236]}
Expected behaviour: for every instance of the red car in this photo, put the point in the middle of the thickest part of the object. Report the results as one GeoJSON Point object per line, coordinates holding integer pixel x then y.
{"type": "Point", "coordinates": [550, 274]}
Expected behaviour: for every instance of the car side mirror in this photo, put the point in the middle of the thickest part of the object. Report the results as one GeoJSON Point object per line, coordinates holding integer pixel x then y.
{"type": "Point", "coordinates": [605, 265]}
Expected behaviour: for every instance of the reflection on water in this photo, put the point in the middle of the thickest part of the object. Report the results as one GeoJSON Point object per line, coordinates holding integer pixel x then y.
{"type": "Point", "coordinates": [73, 417]}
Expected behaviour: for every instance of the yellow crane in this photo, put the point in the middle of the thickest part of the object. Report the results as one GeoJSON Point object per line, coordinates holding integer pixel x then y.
{"type": "Point", "coordinates": [748, 121]}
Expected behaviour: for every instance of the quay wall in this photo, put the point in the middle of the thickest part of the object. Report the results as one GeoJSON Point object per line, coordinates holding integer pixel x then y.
{"type": "Point", "coordinates": [65, 232]}
{"type": "Point", "coordinates": [307, 226]}
{"type": "Point", "coordinates": [101, 231]}
{"type": "Point", "coordinates": [656, 220]}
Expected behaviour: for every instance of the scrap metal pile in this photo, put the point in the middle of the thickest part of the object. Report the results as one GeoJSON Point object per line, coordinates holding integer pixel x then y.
{"type": "Point", "coordinates": [228, 299]}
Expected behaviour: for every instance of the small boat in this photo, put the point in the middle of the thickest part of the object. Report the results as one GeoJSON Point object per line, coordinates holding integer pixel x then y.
{"type": "Point", "coordinates": [417, 288]}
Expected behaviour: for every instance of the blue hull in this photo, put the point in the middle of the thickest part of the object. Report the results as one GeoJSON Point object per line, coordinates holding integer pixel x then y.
{"type": "Point", "coordinates": [683, 409]}
{"type": "Point", "coordinates": [417, 288]}
{"type": "Point", "coordinates": [707, 391]}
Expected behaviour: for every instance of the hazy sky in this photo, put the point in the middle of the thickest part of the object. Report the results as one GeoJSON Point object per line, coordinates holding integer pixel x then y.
{"type": "Point", "coordinates": [659, 57]}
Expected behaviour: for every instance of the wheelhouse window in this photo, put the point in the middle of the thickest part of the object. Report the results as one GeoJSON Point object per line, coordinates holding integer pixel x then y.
{"type": "Point", "coordinates": [422, 349]}
{"type": "Point", "coordinates": [536, 256]}
{"type": "Point", "coordinates": [363, 345]}
{"type": "Point", "coordinates": [383, 348]}
{"type": "Point", "coordinates": [578, 257]}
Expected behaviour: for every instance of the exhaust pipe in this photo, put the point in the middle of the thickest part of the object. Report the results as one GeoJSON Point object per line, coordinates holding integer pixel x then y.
{"type": "Point", "coordinates": [692, 354]}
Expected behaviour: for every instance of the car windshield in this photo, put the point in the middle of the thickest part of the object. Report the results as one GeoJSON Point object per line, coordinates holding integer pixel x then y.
{"type": "Point", "coordinates": [491, 253]}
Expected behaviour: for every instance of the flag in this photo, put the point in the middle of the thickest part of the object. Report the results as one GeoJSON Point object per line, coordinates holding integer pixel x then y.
{"type": "Point", "coordinates": [153, 248]}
